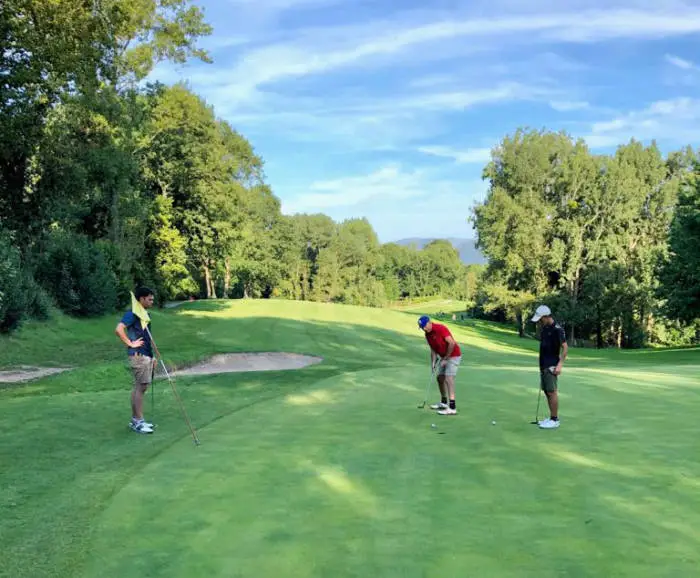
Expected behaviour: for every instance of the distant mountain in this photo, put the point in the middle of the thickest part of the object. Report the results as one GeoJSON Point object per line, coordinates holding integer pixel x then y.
{"type": "Point", "coordinates": [468, 252]}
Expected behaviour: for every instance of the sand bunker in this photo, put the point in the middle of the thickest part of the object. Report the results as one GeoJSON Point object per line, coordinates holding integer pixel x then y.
{"type": "Point", "coordinates": [238, 362]}
{"type": "Point", "coordinates": [25, 373]}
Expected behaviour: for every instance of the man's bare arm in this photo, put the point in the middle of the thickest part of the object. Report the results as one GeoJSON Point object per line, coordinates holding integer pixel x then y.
{"type": "Point", "coordinates": [121, 333]}
{"type": "Point", "coordinates": [562, 357]}
{"type": "Point", "coordinates": [450, 346]}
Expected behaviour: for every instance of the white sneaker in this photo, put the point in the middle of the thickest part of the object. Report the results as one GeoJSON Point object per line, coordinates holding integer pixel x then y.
{"type": "Point", "coordinates": [439, 405]}
{"type": "Point", "coordinates": [448, 411]}
{"type": "Point", "coordinates": [141, 427]}
{"type": "Point", "coordinates": [549, 424]}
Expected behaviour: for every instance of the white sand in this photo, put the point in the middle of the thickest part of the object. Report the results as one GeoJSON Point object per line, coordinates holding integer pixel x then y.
{"type": "Point", "coordinates": [238, 362]}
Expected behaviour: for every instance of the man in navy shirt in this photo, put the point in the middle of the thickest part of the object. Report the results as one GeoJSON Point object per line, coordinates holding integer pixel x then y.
{"type": "Point", "coordinates": [553, 352]}
{"type": "Point", "coordinates": [136, 337]}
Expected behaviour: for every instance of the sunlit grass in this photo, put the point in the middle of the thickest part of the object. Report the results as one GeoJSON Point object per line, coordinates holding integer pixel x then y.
{"type": "Point", "coordinates": [332, 470]}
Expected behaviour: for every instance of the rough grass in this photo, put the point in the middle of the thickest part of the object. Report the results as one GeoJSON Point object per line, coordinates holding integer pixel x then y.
{"type": "Point", "coordinates": [332, 470]}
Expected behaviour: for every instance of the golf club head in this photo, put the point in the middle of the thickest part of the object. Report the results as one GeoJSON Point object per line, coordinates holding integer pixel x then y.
{"type": "Point", "coordinates": [421, 405]}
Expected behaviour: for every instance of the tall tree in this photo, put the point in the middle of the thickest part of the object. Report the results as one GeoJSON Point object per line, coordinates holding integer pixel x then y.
{"type": "Point", "coordinates": [61, 48]}
{"type": "Point", "coordinates": [680, 272]}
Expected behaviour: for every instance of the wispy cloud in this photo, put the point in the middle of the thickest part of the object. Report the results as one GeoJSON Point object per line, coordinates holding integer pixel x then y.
{"type": "Point", "coordinates": [569, 105]}
{"type": "Point", "coordinates": [676, 121]}
{"type": "Point", "coordinates": [679, 62]}
{"type": "Point", "coordinates": [388, 182]}
{"type": "Point", "coordinates": [395, 200]}
{"type": "Point", "coordinates": [467, 156]}
{"type": "Point", "coordinates": [316, 51]}
{"type": "Point", "coordinates": [372, 122]}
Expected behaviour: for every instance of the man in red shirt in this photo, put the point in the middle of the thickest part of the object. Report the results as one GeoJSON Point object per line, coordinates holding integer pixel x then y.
{"type": "Point", "coordinates": [443, 345]}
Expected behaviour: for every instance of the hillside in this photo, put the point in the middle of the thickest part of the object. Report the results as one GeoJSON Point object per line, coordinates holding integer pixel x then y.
{"type": "Point", "coordinates": [468, 252]}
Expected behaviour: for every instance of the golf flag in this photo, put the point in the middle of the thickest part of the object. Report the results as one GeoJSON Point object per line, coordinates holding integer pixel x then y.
{"type": "Point", "coordinates": [139, 311]}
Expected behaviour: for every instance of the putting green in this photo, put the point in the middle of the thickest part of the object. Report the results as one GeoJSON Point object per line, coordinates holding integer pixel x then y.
{"type": "Point", "coordinates": [349, 478]}
{"type": "Point", "coordinates": [332, 470]}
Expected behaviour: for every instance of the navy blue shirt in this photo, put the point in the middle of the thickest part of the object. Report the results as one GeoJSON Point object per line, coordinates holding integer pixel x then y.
{"type": "Point", "coordinates": [551, 339]}
{"type": "Point", "coordinates": [135, 332]}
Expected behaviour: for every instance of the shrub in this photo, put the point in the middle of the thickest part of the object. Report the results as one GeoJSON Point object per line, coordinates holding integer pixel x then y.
{"type": "Point", "coordinates": [13, 306]}
{"type": "Point", "coordinates": [76, 274]}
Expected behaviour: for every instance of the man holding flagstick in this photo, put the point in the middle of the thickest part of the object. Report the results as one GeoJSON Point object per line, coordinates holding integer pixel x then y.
{"type": "Point", "coordinates": [134, 333]}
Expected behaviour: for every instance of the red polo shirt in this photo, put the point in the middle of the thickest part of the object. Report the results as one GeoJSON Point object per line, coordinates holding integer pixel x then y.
{"type": "Point", "coordinates": [438, 343]}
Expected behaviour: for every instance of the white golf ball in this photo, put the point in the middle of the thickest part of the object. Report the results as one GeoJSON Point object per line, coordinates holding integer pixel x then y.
{"type": "Point", "coordinates": [493, 422]}
{"type": "Point", "coordinates": [432, 425]}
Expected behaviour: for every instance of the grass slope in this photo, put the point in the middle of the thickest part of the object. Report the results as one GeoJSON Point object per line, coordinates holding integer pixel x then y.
{"type": "Point", "coordinates": [332, 470]}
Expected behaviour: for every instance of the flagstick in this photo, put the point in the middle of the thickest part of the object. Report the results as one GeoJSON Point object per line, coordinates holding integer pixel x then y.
{"type": "Point", "coordinates": [177, 396]}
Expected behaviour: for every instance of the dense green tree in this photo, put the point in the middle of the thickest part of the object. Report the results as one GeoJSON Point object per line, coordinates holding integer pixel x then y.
{"type": "Point", "coordinates": [680, 271]}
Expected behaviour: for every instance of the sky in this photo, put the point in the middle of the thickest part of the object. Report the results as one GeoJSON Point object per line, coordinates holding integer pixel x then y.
{"type": "Point", "coordinates": [395, 105]}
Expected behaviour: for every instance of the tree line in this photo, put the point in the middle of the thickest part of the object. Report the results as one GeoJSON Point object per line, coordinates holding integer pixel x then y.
{"type": "Point", "coordinates": [610, 242]}
{"type": "Point", "coordinates": [107, 183]}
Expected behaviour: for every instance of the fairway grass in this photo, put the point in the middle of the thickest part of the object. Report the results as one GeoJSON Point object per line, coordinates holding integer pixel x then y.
{"type": "Point", "coordinates": [332, 470]}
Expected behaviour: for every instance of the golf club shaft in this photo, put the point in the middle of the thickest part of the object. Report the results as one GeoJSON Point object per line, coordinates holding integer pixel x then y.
{"type": "Point", "coordinates": [179, 400]}
{"type": "Point", "coordinates": [177, 396]}
{"type": "Point", "coordinates": [427, 387]}
{"type": "Point", "coordinates": [537, 413]}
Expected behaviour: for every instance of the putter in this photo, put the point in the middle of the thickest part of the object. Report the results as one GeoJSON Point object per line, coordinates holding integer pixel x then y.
{"type": "Point", "coordinates": [537, 414]}
{"type": "Point", "coordinates": [432, 376]}
{"type": "Point", "coordinates": [177, 396]}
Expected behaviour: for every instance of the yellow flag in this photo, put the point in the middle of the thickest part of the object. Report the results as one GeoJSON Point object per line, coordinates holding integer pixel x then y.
{"type": "Point", "coordinates": [139, 311]}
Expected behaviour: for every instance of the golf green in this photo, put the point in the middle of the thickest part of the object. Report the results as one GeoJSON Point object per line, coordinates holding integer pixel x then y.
{"type": "Point", "coordinates": [333, 470]}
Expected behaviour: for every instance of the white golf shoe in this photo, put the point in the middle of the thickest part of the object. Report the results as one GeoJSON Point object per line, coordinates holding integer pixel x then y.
{"type": "Point", "coordinates": [448, 411]}
{"type": "Point", "coordinates": [439, 405]}
{"type": "Point", "coordinates": [549, 424]}
{"type": "Point", "coordinates": [141, 427]}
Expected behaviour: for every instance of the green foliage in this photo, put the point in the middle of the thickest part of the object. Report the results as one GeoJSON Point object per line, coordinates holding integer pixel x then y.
{"type": "Point", "coordinates": [145, 185]}
{"type": "Point", "coordinates": [13, 303]}
{"type": "Point", "coordinates": [581, 231]}
{"type": "Point", "coordinates": [173, 279]}
{"type": "Point", "coordinates": [681, 270]}
{"type": "Point", "coordinates": [20, 295]}
{"type": "Point", "coordinates": [76, 274]}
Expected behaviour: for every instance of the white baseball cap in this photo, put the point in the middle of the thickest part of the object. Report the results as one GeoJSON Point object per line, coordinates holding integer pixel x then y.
{"type": "Point", "coordinates": [542, 311]}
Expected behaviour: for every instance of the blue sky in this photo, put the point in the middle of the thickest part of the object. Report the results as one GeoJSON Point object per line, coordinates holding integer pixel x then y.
{"type": "Point", "coordinates": [395, 105]}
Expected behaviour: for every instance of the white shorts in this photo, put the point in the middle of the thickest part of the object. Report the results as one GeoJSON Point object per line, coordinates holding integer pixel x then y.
{"type": "Point", "coordinates": [451, 367]}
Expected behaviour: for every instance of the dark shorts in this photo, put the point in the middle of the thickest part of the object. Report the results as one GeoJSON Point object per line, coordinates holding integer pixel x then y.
{"type": "Point", "coordinates": [548, 381]}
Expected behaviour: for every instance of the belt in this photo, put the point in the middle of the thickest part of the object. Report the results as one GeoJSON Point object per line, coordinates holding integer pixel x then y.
{"type": "Point", "coordinates": [141, 355]}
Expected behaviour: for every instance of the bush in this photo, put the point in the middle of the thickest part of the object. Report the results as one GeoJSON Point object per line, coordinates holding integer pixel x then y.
{"type": "Point", "coordinates": [13, 306]}
{"type": "Point", "coordinates": [20, 295]}
{"type": "Point", "coordinates": [76, 274]}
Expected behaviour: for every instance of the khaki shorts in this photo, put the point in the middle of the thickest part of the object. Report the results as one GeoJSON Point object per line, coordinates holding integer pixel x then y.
{"type": "Point", "coordinates": [451, 368]}
{"type": "Point", "coordinates": [548, 381]}
{"type": "Point", "coordinates": [142, 368]}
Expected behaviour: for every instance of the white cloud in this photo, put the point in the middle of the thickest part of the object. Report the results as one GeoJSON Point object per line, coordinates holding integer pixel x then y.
{"type": "Point", "coordinates": [379, 123]}
{"type": "Point", "coordinates": [318, 51]}
{"type": "Point", "coordinates": [394, 200]}
{"type": "Point", "coordinates": [467, 156]}
{"type": "Point", "coordinates": [569, 105]}
{"type": "Point", "coordinates": [388, 182]}
{"type": "Point", "coordinates": [676, 121]}
{"type": "Point", "coordinates": [679, 62]}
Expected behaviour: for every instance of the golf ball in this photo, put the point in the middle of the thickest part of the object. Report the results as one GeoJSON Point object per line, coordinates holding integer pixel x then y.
{"type": "Point", "coordinates": [493, 422]}
{"type": "Point", "coordinates": [432, 425]}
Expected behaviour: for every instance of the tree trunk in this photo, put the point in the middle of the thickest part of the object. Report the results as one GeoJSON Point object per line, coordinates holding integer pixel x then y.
{"type": "Point", "coordinates": [599, 328]}
{"type": "Point", "coordinates": [211, 293]}
{"type": "Point", "coordinates": [521, 326]}
{"type": "Point", "coordinates": [227, 279]}
{"type": "Point", "coordinates": [213, 285]}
